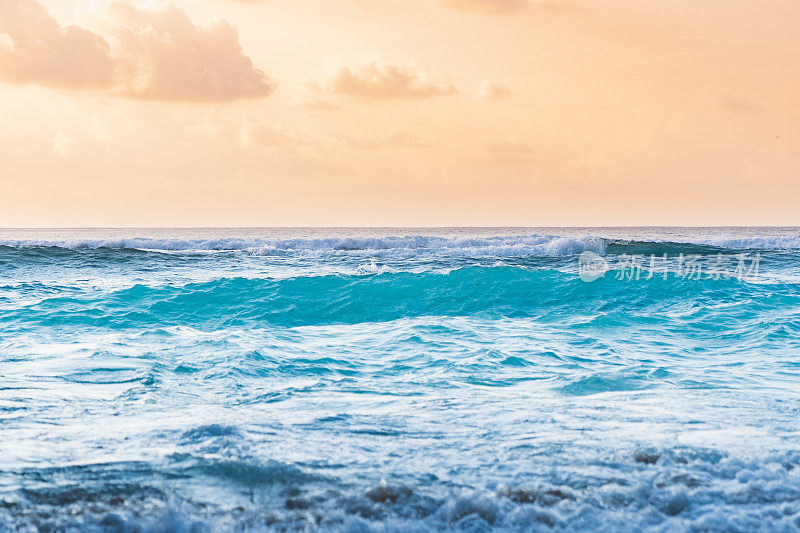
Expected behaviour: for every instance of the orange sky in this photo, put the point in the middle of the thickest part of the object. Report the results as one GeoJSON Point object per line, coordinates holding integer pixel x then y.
{"type": "Point", "coordinates": [399, 112]}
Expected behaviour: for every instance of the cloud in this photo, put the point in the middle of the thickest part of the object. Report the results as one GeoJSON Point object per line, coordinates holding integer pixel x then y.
{"type": "Point", "coordinates": [256, 133]}
{"type": "Point", "coordinates": [378, 80]}
{"type": "Point", "coordinates": [494, 92]}
{"type": "Point", "coordinates": [739, 105]}
{"type": "Point", "coordinates": [508, 6]}
{"type": "Point", "coordinates": [63, 145]}
{"type": "Point", "coordinates": [168, 57]}
{"type": "Point", "coordinates": [506, 151]}
{"type": "Point", "coordinates": [37, 49]}
{"type": "Point", "coordinates": [394, 139]}
{"type": "Point", "coordinates": [488, 6]}
{"type": "Point", "coordinates": [311, 95]}
{"type": "Point", "coordinates": [509, 145]}
{"type": "Point", "coordinates": [247, 132]}
{"type": "Point", "coordinates": [157, 55]}
{"type": "Point", "coordinates": [317, 103]}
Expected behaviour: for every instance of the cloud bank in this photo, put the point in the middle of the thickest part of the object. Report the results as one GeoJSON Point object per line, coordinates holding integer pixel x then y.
{"type": "Point", "coordinates": [158, 55]}
{"type": "Point", "coordinates": [168, 57]}
{"type": "Point", "coordinates": [37, 49]}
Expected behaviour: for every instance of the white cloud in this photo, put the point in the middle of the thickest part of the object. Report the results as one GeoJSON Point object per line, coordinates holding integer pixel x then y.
{"type": "Point", "coordinates": [44, 52]}
{"type": "Point", "coordinates": [168, 57]}
{"type": "Point", "coordinates": [256, 133]}
{"type": "Point", "coordinates": [394, 139]}
{"type": "Point", "coordinates": [157, 54]}
{"type": "Point", "coordinates": [6, 43]}
{"type": "Point", "coordinates": [379, 80]}
{"type": "Point", "coordinates": [63, 144]}
{"type": "Point", "coordinates": [509, 6]}
{"type": "Point", "coordinates": [491, 91]}
{"type": "Point", "coordinates": [490, 6]}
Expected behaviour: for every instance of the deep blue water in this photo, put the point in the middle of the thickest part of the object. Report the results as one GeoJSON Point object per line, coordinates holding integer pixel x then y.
{"type": "Point", "coordinates": [399, 379]}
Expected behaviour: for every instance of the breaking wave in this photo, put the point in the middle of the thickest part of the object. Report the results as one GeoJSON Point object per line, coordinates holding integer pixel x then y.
{"type": "Point", "coordinates": [658, 490]}
{"type": "Point", "coordinates": [501, 246]}
{"type": "Point", "coordinates": [521, 245]}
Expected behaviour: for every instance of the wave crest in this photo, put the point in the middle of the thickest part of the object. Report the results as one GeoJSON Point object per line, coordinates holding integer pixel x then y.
{"type": "Point", "coordinates": [501, 245]}
{"type": "Point", "coordinates": [541, 245]}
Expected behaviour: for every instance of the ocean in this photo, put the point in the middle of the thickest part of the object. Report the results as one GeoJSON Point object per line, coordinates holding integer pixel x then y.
{"type": "Point", "coordinates": [400, 379]}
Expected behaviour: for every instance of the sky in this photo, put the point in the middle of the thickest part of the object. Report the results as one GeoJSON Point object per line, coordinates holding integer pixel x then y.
{"type": "Point", "coordinates": [399, 113]}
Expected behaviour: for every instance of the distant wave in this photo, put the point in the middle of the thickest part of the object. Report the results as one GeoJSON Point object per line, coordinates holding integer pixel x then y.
{"type": "Point", "coordinates": [518, 245]}
{"type": "Point", "coordinates": [523, 245]}
{"type": "Point", "coordinates": [702, 245]}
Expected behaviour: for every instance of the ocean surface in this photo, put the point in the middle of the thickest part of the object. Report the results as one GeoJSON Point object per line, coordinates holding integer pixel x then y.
{"type": "Point", "coordinates": [400, 379]}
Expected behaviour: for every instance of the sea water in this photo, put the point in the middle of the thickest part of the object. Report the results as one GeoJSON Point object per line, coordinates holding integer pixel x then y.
{"type": "Point", "coordinates": [400, 379]}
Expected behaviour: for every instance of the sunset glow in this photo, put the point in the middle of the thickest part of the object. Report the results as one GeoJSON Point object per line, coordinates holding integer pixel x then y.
{"type": "Point", "coordinates": [413, 112]}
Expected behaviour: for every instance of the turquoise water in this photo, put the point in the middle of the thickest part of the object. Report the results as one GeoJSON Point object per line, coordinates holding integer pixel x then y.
{"type": "Point", "coordinates": [398, 379]}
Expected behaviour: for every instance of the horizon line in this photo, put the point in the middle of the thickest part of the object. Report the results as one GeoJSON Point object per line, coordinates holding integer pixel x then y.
{"type": "Point", "coordinates": [724, 226]}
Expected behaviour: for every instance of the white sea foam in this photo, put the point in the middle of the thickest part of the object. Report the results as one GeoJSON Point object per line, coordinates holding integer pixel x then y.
{"type": "Point", "coordinates": [503, 245]}
{"type": "Point", "coordinates": [754, 243]}
{"type": "Point", "coordinates": [721, 494]}
{"type": "Point", "coordinates": [541, 245]}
